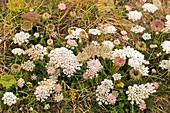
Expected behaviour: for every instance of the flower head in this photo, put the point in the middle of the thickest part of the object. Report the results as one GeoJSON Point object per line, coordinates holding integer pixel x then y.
{"type": "Point", "coordinates": [62, 6]}
{"type": "Point", "coordinates": [134, 15]}
{"type": "Point", "coordinates": [26, 26]}
{"type": "Point", "coordinates": [9, 98]}
{"type": "Point", "coordinates": [119, 61]}
{"type": "Point", "coordinates": [15, 68]}
{"type": "Point", "coordinates": [142, 106]}
{"type": "Point", "coordinates": [157, 25]}
{"type": "Point", "coordinates": [111, 99]}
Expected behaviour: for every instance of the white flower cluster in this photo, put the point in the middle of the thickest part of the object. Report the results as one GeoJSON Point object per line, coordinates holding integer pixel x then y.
{"type": "Point", "coordinates": [165, 64]}
{"type": "Point", "coordinates": [139, 93]}
{"type": "Point", "coordinates": [28, 66]}
{"type": "Point", "coordinates": [21, 82]}
{"type": "Point", "coordinates": [58, 97]}
{"type": "Point", "coordinates": [108, 44]}
{"type": "Point", "coordinates": [116, 76]}
{"type": "Point", "coordinates": [94, 66]}
{"type": "Point", "coordinates": [18, 51]}
{"type": "Point", "coordinates": [146, 36]}
{"type": "Point", "coordinates": [44, 89]}
{"type": "Point", "coordinates": [94, 31]}
{"type": "Point", "coordinates": [134, 15]}
{"type": "Point", "coordinates": [150, 7]}
{"type": "Point", "coordinates": [166, 46]}
{"type": "Point", "coordinates": [167, 24]}
{"type": "Point", "coordinates": [9, 98]}
{"type": "Point", "coordinates": [21, 37]}
{"type": "Point", "coordinates": [136, 58]}
{"type": "Point", "coordinates": [137, 29]}
{"type": "Point", "coordinates": [77, 33]}
{"type": "Point", "coordinates": [144, 0]}
{"type": "Point", "coordinates": [104, 91]}
{"type": "Point", "coordinates": [64, 58]}
{"type": "Point", "coordinates": [109, 29]}
{"type": "Point", "coordinates": [36, 52]}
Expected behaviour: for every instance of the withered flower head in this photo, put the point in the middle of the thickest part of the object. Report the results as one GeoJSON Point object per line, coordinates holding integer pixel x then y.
{"type": "Point", "coordinates": [15, 68]}
{"type": "Point", "coordinates": [26, 25]}
{"type": "Point", "coordinates": [46, 16]}
{"type": "Point", "coordinates": [140, 45]}
{"type": "Point", "coordinates": [50, 27]}
{"type": "Point", "coordinates": [50, 42]}
{"type": "Point", "coordinates": [33, 17]}
{"type": "Point", "coordinates": [135, 74]}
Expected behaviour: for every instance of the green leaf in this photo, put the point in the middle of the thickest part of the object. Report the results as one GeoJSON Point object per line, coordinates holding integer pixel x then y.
{"type": "Point", "coordinates": [153, 76]}
{"type": "Point", "coordinates": [7, 80]}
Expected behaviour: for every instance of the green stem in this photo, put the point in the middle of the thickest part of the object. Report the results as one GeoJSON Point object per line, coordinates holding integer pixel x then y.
{"type": "Point", "coordinates": [133, 109]}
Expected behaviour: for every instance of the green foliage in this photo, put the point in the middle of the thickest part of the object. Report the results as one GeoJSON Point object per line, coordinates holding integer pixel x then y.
{"type": "Point", "coordinates": [7, 80]}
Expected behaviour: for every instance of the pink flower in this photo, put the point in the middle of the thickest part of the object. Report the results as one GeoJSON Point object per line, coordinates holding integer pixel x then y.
{"type": "Point", "coordinates": [128, 8]}
{"type": "Point", "coordinates": [57, 88]}
{"type": "Point", "coordinates": [62, 6]}
{"type": "Point", "coordinates": [85, 76]}
{"type": "Point", "coordinates": [153, 71]}
{"type": "Point", "coordinates": [157, 25]}
{"type": "Point", "coordinates": [119, 61]}
{"type": "Point", "coordinates": [71, 42]}
{"type": "Point", "coordinates": [111, 99]}
{"type": "Point", "coordinates": [142, 106]}
{"type": "Point", "coordinates": [125, 37]}
{"type": "Point", "coordinates": [51, 70]}
{"type": "Point", "coordinates": [153, 46]}
{"type": "Point", "coordinates": [33, 77]}
{"type": "Point", "coordinates": [146, 62]}
{"type": "Point", "coordinates": [156, 85]}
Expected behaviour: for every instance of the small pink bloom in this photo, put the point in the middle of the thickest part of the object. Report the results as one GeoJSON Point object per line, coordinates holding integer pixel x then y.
{"type": "Point", "coordinates": [153, 71]}
{"type": "Point", "coordinates": [111, 99]}
{"type": "Point", "coordinates": [128, 8]}
{"type": "Point", "coordinates": [85, 76]}
{"type": "Point", "coordinates": [125, 37]}
{"type": "Point", "coordinates": [57, 88]}
{"type": "Point", "coordinates": [157, 25]}
{"type": "Point", "coordinates": [33, 77]}
{"type": "Point", "coordinates": [142, 106]}
{"type": "Point", "coordinates": [153, 46]}
{"type": "Point", "coordinates": [62, 6]}
{"type": "Point", "coordinates": [156, 85]}
{"type": "Point", "coordinates": [51, 70]}
{"type": "Point", "coordinates": [146, 62]}
{"type": "Point", "coordinates": [71, 42]}
{"type": "Point", "coordinates": [119, 61]}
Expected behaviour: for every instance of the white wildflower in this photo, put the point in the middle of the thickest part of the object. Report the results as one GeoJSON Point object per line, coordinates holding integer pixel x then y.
{"type": "Point", "coordinates": [21, 82]}
{"type": "Point", "coordinates": [94, 31]}
{"type": "Point", "coordinates": [166, 46]}
{"type": "Point", "coordinates": [28, 66]}
{"type": "Point", "coordinates": [137, 29]}
{"type": "Point", "coordinates": [18, 51]}
{"type": "Point", "coordinates": [146, 36]}
{"type": "Point", "coordinates": [134, 15]}
{"type": "Point", "coordinates": [108, 44]}
{"type": "Point", "coordinates": [21, 37]}
{"type": "Point", "coordinates": [116, 76]}
{"type": "Point", "coordinates": [9, 98]}
{"type": "Point", "coordinates": [150, 7]}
